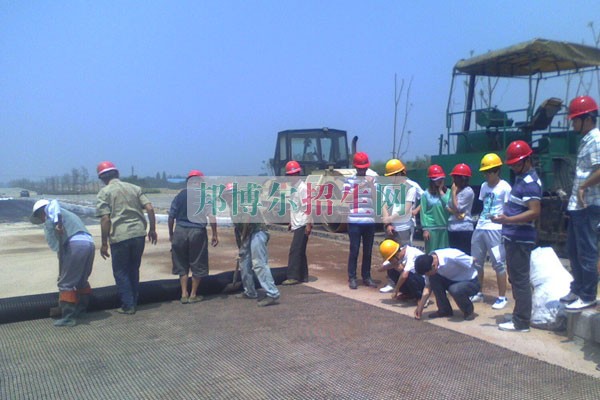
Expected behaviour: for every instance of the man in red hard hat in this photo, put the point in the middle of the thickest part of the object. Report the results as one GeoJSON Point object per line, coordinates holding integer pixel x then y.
{"type": "Point", "coordinates": [518, 231]}
{"type": "Point", "coordinates": [300, 224]}
{"type": "Point", "coordinates": [361, 219]}
{"type": "Point", "coordinates": [584, 207]}
{"type": "Point", "coordinates": [121, 205]}
{"type": "Point", "coordinates": [189, 241]}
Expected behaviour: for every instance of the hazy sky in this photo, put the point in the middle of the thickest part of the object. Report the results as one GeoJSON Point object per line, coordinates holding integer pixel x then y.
{"type": "Point", "coordinates": [175, 85]}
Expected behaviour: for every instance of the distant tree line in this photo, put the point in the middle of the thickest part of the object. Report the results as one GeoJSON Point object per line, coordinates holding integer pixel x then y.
{"type": "Point", "coordinates": [78, 181]}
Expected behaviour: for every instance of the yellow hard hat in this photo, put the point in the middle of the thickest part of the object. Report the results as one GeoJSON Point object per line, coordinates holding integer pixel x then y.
{"type": "Point", "coordinates": [489, 161]}
{"type": "Point", "coordinates": [393, 167]}
{"type": "Point", "coordinates": [388, 248]}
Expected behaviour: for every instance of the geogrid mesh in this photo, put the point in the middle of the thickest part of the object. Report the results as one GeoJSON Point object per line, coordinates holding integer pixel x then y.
{"type": "Point", "coordinates": [313, 345]}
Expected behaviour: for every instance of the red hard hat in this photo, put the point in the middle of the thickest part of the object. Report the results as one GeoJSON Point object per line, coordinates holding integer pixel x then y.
{"type": "Point", "coordinates": [361, 160]}
{"type": "Point", "coordinates": [194, 172]}
{"type": "Point", "coordinates": [516, 151]}
{"type": "Point", "coordinates": [582, 105]}
{"type": "Point", "coordinates": [228, 188]}
{"type": "Point", "coordinates": [461, 170]}
{"type": "Point", "coordinates": [292, 167]}
{"type": "Point", "coordinates": [435, 171]}
{"type": "Point", "coordinates": [105, 166]}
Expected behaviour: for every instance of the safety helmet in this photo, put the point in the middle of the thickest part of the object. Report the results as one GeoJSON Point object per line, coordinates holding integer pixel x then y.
{"type": "Point", "coordinates": [582, 105]}
{"type": "Point", "coordinates": [361, 160]}
{"type": "Point", "coordinates": [105, 166]}
{"type": "Point", "coordinates": [435, 172]}
{"type": "Point", "coordinates": [388, 249]}
{"type": "Point", "coordinates": [489, 161]}
{"type": "Point", "coordinates": [461, 169]}
{"type": "Point", "coordinates": [38, 204]}
{"type": "Point", "coordinates": [393, 167]}
{"type": "Point", "coordinates": [193, 173]}
{"type": "Point", "coordinates": [516, 151]}
{"type": "Point", "coordinates": [292, 167]}
{"type": "Point", "coordinates": [228, 188]}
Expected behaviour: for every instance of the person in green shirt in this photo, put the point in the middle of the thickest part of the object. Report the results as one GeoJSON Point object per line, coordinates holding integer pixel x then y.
{"type": "Point", "coordinates": [434, 213]}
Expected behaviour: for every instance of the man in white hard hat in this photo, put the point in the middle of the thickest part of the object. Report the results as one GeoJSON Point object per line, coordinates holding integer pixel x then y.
{"type": "Point", "coordinates": [67, 235]}
{"type": "Point", "coordinates": [121, 205]}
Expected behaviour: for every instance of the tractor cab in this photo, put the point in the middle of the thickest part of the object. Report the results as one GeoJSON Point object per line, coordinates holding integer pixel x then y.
{"type": "Point", "coordinates": [314, 149]}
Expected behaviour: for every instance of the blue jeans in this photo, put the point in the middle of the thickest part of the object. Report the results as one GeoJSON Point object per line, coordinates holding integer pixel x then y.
{"type": "Point", "coordinates": [355, 233]}
{"type": "Point", "coordinates": [255, 257]}
{"type": "Point", "coordinates": [126, 261]}
{"type": "Point", "coordinates": [460, 291]}
{"type": "Point", "coordinates": [582, 244]}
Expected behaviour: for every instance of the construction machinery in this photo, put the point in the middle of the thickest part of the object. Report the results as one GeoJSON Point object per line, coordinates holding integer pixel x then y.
{"type": "Point", "coordinates": [519, 93]}
{"type": "Point", "coordinates": [324, 156]}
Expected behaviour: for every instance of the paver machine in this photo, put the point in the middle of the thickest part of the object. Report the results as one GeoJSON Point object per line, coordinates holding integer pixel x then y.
{"type": "Point", "coordinates": [520, 93]}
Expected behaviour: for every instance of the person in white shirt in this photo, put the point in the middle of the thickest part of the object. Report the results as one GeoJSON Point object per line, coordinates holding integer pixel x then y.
{"type": "Point", "coordinates": [487, 237]}
{"type": "Point", "coordinates": [297, 269]}
{"type": "Point", "coordinates": [359, 193]}
{"type": "Point", "coordinates": [398, 210]}
{"type": "Point", "coordinates": [447, 270]}
{"type": "Point", "coordinates": [399, 261]}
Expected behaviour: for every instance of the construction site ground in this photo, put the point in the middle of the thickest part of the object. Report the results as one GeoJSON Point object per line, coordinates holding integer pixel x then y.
{"type": "Point", "coordinates": [323, 340]}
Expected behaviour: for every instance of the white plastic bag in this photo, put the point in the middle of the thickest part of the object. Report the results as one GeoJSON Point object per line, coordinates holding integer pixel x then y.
{"type": "Point", "coordinates": [550, 281]}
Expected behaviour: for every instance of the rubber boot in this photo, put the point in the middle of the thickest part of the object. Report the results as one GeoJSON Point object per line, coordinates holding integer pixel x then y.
{"type": "Point", "coordinates": [82, 306]}
{"type": "Point", "coordinates": [68, 314]}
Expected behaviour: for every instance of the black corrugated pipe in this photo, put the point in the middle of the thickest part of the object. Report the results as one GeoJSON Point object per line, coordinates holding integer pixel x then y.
{"type": "Point", "coordinates": [37, 306]}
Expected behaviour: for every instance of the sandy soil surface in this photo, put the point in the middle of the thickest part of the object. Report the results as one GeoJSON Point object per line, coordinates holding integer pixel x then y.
{"type": "Point", "coordinates": [27, 266]}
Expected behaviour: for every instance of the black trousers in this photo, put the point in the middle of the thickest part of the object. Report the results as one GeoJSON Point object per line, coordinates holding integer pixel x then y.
{"type": "Point", "coordinates": [412, 286]}
{"type": "Point", "coordinates": [297, 262]}
{"type": "Point", "coordinates": [518, 256]}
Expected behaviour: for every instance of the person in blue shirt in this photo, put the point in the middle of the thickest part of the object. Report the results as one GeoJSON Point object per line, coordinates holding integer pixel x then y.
{"type": "Point", "coordinates": [518, 231]}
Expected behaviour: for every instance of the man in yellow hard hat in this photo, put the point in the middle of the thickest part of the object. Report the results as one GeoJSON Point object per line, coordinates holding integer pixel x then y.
{"type": "Point", "coordinates": [399, 262]}
{"type": "Point", "coordinates": [487, 237]}
{"type": "Point", "coordinates": [398, 217]}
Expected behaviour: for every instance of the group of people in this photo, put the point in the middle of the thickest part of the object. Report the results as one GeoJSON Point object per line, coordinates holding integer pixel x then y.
{"type": "Point", "coordinates": [455, 248]}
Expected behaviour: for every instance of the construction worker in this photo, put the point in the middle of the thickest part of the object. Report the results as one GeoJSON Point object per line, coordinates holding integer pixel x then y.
{"type": "Point", "coordinates": [252, 239]}
{"type": "Point", "coordinates": [189, 241]}
{"type": "Point", "coordinates": [487, 237]}
{"type": "Point", "coordinates": [359, 192]}
{"type": "Point", "coordinates": [399, 261]}
{"type": "Point", "coordinates": [584, 207]}
{"type": "Point", "coordinates": [518, 231]}
{"type": "Point", "coordinates": [447, 270]}
{"type": "Point", "coordinates": [434, 213]}
{"type": "Point", "coordinates": [301, 225]}
{"type": "Point", "coordinates": [398, 217]}
{"type": "Point", "coordinates": [120, 206]}
{"type": "Point", "coordinates": [67, 235]}
{"type": "Point", "coordinates": [460, 223]}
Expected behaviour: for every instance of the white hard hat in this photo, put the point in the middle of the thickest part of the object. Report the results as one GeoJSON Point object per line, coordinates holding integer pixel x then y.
{"type": "Point", "coordinates": [38, 204]}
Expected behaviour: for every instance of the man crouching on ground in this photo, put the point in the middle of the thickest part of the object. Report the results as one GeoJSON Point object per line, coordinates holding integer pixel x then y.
{"type": "Point", "coordinates": [451, 270]}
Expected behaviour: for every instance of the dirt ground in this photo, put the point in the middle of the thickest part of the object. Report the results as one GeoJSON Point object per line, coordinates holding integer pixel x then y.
{"type": "Point", "coordinates": [29, 267]}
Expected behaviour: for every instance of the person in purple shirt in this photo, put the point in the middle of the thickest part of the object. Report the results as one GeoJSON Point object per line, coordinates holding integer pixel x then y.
{"type": "Point", "coordinates": [518, 231]}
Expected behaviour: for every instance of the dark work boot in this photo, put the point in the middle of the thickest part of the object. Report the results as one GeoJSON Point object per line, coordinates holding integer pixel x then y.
{"type": "Point", "coordinates": [68, 314]}
{"type": "Point", "coordinates": [82, 306]}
